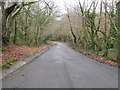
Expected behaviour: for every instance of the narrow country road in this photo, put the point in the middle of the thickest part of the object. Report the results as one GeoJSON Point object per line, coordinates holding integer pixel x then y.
{"type": "Point", "coordinates": [62, 67]}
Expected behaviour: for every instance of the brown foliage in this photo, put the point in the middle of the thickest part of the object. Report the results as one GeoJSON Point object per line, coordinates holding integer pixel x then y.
{"type": "Point", "coordinates": [100, 59]}
{"type": "Point", "coordinates": [19, 52]}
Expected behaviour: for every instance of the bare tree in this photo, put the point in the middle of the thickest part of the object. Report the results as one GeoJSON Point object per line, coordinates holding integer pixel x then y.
{"type": "Point", "coordinates": [70, 23]}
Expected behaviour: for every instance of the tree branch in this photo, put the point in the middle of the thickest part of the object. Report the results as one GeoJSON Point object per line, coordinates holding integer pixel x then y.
{"type": "Point", "coordinates": [10, 9]}
{"type": "Point", "coordinates": [18, 9]}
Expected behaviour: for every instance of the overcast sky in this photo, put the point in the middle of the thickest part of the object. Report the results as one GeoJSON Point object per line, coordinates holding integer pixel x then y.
{"type": "Point", "coordinates": [61, 5]}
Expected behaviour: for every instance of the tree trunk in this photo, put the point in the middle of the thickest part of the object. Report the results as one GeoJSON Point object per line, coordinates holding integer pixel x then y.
{"type": "Point", "coordinates": [37, 34]}
{"type": "Point", "coordinates": [118, 44]}
{"type": "Point", "coordinates": [92, 35]}
{"type": "Point", "coordinates": [105, 37]}
{"type": "Point", "coordinates": [71, 29]}
{"type": "Point", "coordinates": [5, 22]}
{"type": "Point", "coordinates": [4, 27]}
{"type": "Point", "coordinates": [15, 32]}
{"type": "Point", "coordinates": [74, 37]}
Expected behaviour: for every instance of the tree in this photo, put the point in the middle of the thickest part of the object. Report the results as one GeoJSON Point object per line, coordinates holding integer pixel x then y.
{"type": "Point", "coordinates": [70, 23]}
{"type": "Point", "coordinates": [118, 38]}
{"type": "Point", "coordinates": [8, 14]}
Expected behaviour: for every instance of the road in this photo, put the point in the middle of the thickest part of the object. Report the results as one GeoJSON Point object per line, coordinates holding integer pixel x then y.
{"type": "Point", "coordinates": [62, 67]}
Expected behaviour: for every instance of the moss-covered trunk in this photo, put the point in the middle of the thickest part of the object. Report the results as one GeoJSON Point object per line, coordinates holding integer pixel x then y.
{"type": "Point", "coordinates": [118, 44]}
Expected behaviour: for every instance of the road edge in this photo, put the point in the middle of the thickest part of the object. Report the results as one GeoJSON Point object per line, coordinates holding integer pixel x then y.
{"type": "Point", "coordinates": [20, 64]}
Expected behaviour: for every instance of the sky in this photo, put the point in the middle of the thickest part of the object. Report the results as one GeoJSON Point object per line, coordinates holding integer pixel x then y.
{"type": "Point", "coordinates": [61, 4]}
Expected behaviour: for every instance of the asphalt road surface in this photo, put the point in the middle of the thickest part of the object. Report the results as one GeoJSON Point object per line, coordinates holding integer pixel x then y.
{"type": "Point", "coordinates": [62, 67]}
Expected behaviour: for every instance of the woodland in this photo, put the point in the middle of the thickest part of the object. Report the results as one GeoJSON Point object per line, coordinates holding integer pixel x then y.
{"type": "Point", "coordinates": [91, 27]}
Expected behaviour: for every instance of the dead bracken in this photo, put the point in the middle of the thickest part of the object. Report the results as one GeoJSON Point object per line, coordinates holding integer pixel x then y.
{"type": "Point", "coordinates": [19, 52]}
